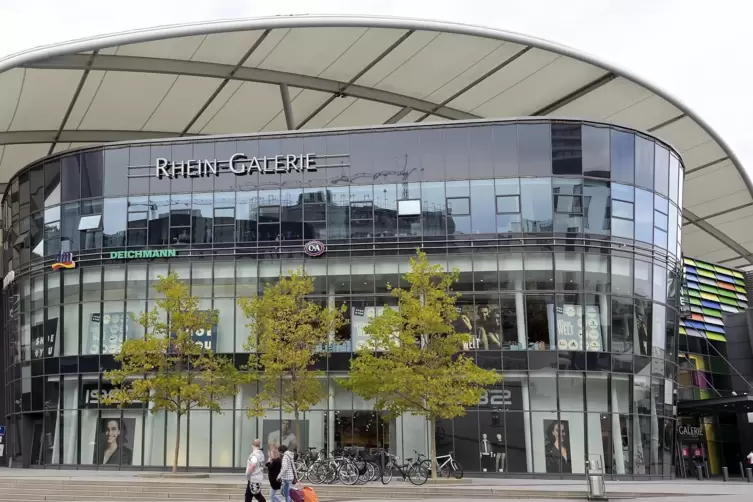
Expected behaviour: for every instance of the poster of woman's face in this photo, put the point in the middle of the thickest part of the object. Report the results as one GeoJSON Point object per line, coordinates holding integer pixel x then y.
{"type": "Point", "coordinates": [557, 446]}
{"type": "Point", "coordinates": [115, 441]}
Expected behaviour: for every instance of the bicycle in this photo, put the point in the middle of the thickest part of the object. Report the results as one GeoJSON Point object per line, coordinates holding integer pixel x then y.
{"type": "Point", "coordinates": [338, 467]}
{"type": "Point", "coordinates": [416, 472]}
{"type": "Point", "coordinates": [304, 461]}
{"type": "Point", "coordinates": [450, 466]}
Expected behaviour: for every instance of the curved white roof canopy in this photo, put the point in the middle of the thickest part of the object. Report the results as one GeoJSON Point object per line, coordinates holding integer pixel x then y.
{"type": "Point", "coordinates": [301, 72]}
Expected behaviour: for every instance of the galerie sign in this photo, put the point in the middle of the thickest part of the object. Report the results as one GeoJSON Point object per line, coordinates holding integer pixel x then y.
{"type": "Point", "coordinates": [239, 164]}
{"type": "Point", "coordinates": [690, 431]}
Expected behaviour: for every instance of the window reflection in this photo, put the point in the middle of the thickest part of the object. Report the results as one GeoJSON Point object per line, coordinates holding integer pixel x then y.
{"type": "Point", "coordinates": [567, 154]}
{"type": "Point", "coordinates": [536, 204]}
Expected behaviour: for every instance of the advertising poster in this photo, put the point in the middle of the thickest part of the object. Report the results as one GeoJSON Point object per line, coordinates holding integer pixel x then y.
{"type": "Point", "coordinates": [115, 441]}
{"type": "Point", "coordinates": [360, 317]}
{"type": "Point", "coordinates": [115, 327]}
{"type": "Point", "coordinates": [43, 337]}
{"type": "Point", "coordinates": [568, 321]}
{"type": "Point", "coordinates": [279, 432]}
{"type": "Point", "coordinates": [557, 447]}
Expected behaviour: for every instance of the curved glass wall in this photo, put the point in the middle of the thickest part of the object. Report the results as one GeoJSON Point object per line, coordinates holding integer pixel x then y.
{"type": "Point", "coordinates": [566, 236]}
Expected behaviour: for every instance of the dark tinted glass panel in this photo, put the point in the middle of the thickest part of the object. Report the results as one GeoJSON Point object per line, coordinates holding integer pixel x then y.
{"type": "Point", "coordinates": [481, 162]}
{"type": "Point", "coordinates": [566, 149]}
{"type": "Point", "coordinates": [661, 170]}
{"type": "Point", "coordinates": [456, 153]}
{"type": "Point", "coordinates": [36, 188]}
{"type": "Point", "coordinates": [534, 149]}
{"type": "Point", "coordinates": [91, 174]}
{"type": "Point", "coordinates": [536, 204]}
{"type": "Point", "coordinates": [23, 194]}
{"type": "Point", "coordinates": [622, 146]}
{"type": "Point", "coordinates": [595, 141]}
{"type": "Point", "coordinates": [52, 183]}
{"type": "Point", "coordinates": [432, 160]}
{"type": "Point", "coordinates": [505, 151]}
{"type": "Point", "coordinates": [644, 162]}
{"type": "Point", "coordinates": [71, 174]}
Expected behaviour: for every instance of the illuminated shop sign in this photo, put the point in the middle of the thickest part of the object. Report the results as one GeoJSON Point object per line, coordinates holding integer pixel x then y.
{"type": "Point", "coordinates": [143, 253]}
{"type": "Point", "coordinates": [689, 431]}
{"type": "Point", "coordinates": [314, 248]}
{"type": "Point", "coordinates": [239, 164]}
{"type": "Point", "coordinates": [64, 260]}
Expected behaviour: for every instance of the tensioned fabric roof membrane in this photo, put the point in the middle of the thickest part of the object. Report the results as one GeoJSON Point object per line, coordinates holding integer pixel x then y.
{"type": "Point", "coordinates": [308, 72]}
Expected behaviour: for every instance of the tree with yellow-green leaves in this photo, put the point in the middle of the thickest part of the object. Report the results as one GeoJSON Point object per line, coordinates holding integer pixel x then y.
{"type": "Point", "coordinates": [412, 361]}
{"type": "Point", "coordinates": [288, 334]}
{"type": "Point", "coordinates": [167, 368]}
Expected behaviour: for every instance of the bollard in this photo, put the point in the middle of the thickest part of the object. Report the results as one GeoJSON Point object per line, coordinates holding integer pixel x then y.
{"type": "Point", "coordinates": [699, 472]}
{"type": "Point", "coordinates": [749, 474]}
{"type": "Point", "coordinates": [725, 474]}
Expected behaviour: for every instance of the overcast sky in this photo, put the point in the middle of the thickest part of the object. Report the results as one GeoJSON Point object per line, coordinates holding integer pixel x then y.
{"type": "Point", "coordinates": [697, 50]}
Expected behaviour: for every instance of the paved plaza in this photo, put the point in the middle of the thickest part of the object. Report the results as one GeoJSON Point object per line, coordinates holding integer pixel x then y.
{"type": "Point", "coordinates": [531, 490]}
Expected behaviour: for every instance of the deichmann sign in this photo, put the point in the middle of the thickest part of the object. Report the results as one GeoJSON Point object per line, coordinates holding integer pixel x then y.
{"type": "Point", "coordinates": [143, 253]}
{"type": "Point", "coordinates": [239, 164]}
{"type": "Point", "coordinates": [314, 248]}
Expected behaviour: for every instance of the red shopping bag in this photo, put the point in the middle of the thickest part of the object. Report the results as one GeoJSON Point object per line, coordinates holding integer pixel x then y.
{"type": "Point", "coordinates": [296, 494]}
{"type": "Point", "coordinates": [309, 495]}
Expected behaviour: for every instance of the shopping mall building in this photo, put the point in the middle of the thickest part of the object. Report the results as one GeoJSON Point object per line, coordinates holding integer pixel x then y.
{"type": "Point", "coordinates": [233, 152]}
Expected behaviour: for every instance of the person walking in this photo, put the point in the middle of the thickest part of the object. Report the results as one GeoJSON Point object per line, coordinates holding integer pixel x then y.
{"type": "Point", "coordinates": [255, 473]}
{"type": "Point", "coordinates": [273, 470]}
{"type": "Point", "coordinates": [287, 472]}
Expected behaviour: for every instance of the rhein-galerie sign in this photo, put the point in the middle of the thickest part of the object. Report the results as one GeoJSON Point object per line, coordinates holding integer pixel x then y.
{"type": "Point", "coordinates": [239, 164]}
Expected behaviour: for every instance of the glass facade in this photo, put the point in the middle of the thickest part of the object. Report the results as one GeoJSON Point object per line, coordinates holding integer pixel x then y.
{"type": "Point", "coordinates": [566, 236]}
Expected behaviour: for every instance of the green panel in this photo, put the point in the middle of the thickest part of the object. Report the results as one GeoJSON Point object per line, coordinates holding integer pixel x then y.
{"type": "Point", "coordinates": [682, 330]}
{"type": "Point", "coordinates": [704, 266]}
{"type": "Point", "coordinates": [706, 273]}
{"type": "Point", "coordinates": [740, 289]}
{"type": "Point", "coordinates": [716, 337]}
{"type": "Point", "coordinates": [737, 274]}
{"type": "Point", "coordinates": [712, 312]}
{"type": "Point", "coordinates": [689, 261]}
{"type": "Point", "coordinates": [695, 301]}
{"type": "Point", "coordinates": [694, 292]}
{"type": "Point", "coordinates": [728, 301]}
{"type": "Point", "coordinates": [728, 294]}
{"type": "Point", "coordinates": [709, 289]}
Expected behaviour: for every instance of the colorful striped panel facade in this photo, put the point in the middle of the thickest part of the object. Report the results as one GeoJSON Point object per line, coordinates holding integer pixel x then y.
{"type": "Point", "coordinates": [712, 291]}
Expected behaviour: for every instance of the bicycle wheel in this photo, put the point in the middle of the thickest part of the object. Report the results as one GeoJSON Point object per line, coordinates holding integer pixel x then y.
{"type": "Point", "coordinates": [418, 474]}
{"type": "Point", "coordinates": [330, 473]}
{"type": "Point", "coordinates": [301, 470]}
{"type": "Point", "coordinates": [376, 471]}
{"type": "Point", "coordinates": [348, 473]}
{"type": "Point", "coordinates": [387, 474]}
{"type": "Point", "coordinates": [457, 469]}
{"type": "Point", "coordinates": [317, 473]}
{"type": "Point", "coordinates": [427, 465]}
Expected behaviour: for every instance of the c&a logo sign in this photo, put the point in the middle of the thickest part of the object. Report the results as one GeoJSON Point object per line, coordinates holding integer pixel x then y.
{"type": "Point", "coordinates": [64, 260]}
{"type": "Point", "coordinates": [314, 248]}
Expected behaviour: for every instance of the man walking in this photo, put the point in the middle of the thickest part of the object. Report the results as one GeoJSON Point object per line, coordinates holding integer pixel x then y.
{"type": "Point", "coordinates": [255, 473]}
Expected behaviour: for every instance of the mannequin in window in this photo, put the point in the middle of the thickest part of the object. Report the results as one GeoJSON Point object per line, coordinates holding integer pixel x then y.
{"type": "Point", "coordinates": [486, 329]}
{"type": "Point", "coordinates": [487, 458]}
{"type": "Point", "coordinates": [499, 450]}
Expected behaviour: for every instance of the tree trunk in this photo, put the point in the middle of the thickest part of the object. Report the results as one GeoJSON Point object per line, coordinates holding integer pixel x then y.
{"type": "Point", "coordinates": [433, 447]}
{"type": "Point", "coordinates": [177, 446]}
{"type": "Point", "coordinates": [297, 432]}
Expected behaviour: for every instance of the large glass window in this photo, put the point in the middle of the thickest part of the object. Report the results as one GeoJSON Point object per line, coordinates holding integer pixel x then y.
{"type": "Point", "coordinates": [622, 147]}
{"type": "Point", "coordinates": [644, 216]}
{"type": "Point", "coordinates": [483, 207]}
{"type": "Point", "coordinates": [644, 162]}
{"type": "Point", "coordinates": [567, 153]}
{"type": "Point", "coordinates": [536, 204]}
{"type": "Point", "coordinates": [534, 147]}
{"type": "Point", "coordinates": [596, 151]}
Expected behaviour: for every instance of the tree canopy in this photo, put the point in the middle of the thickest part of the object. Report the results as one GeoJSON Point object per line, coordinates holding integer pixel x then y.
{"type": "Point", "coordinates": [412, 361]}
{"type": "Point", "coordinates": [168, 368]}
{"type": "Point", "coordinates": [288, 334]}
